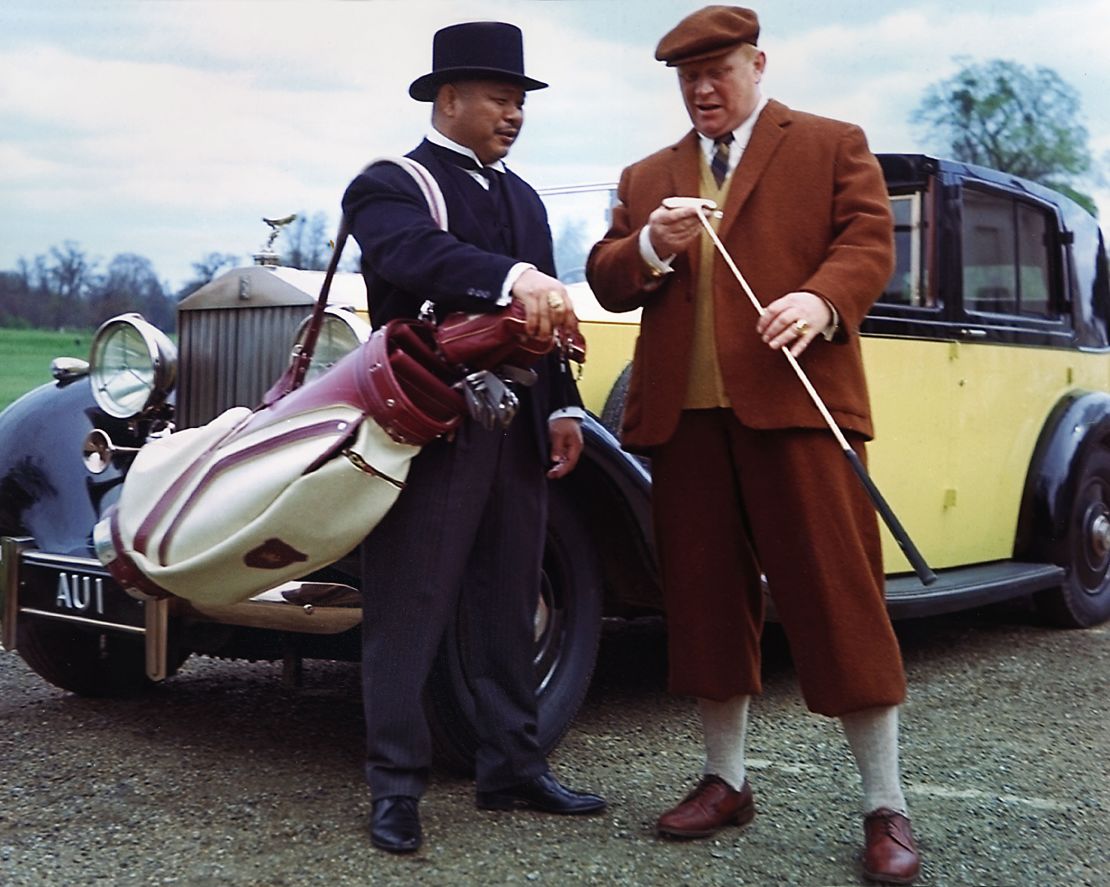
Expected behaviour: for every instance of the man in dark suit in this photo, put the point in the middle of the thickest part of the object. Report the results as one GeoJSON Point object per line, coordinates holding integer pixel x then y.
{"type": "Point", "coordinates": [746, 478]}
{"type": "Point", "coordinates": [466, 536]}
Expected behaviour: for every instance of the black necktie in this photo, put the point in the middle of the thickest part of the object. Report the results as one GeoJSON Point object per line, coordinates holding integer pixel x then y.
{"type": "Point", "coordinates": [719, 164]}
{"type": "Point", "coordinates": [465, 161]}
{"type": "Point", "coordinates": [492, 178]}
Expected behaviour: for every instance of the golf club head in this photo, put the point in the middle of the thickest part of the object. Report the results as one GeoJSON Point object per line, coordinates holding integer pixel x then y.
{"type": "Point", "coordinates": [707, 206]}
{"type": "Point", "coordinates": [491, 403]}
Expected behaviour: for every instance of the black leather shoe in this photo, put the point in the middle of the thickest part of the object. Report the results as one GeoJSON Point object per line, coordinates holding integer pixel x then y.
{"type": "Point", "coordinates": [543, 793]}
{"type": "Point", "coordinates": [395, 824]}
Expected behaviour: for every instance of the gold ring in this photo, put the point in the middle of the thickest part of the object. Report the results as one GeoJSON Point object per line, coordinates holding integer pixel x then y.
{"type": "Point", "coordinates": [555, 301]}
{"type": "Point", "coordinates": [800, 326]}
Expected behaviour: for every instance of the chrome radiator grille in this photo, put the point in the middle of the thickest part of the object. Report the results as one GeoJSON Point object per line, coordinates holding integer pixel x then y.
{"type": "Point", "coordinates": [230, 357]}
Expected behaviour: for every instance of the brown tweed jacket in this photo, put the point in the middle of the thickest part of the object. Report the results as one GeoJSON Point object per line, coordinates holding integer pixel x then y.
{"type": "Point", "coordinates": [807, 209]}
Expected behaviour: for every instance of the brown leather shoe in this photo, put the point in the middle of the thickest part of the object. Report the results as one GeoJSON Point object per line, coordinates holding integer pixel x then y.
{"type": "Point", "coordinates": [890, 855]}
{"type": "Point", "coordinates": [711, 806]}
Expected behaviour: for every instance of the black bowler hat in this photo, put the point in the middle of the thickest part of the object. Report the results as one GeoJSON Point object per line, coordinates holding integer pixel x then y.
{"type": "Point", "coordinates": [474, 51]}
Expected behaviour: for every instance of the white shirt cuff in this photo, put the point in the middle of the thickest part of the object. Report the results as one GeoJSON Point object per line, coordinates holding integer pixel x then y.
{"type": "Point", "coordinates": [510, 281]}
{"type": "Point", "coordinates": [658, 266]}
{"type": "Point", "coordinates": [568, 413]}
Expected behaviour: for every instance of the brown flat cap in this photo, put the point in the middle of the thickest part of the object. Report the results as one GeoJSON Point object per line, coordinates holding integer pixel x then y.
{"type": "Point", "coordinates": [711, 31]}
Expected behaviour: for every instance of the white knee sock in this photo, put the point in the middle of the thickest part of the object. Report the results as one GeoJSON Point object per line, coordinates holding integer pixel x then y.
{"type": "Point", "coordinates": [724, 725]}
{"type": "Point", "coordinates": [873, 737]}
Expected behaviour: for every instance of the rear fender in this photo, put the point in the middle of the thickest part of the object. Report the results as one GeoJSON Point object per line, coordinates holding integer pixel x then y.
{"type": "Point", "coordinates": [1079, 422]}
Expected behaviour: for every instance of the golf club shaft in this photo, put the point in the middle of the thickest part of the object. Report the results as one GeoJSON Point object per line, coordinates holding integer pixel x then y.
{"type": "Point", "coordinates": [920, 567]}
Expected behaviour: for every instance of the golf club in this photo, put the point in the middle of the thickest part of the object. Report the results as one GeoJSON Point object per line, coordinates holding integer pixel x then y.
{"type": "Point", "coordinates": [920, 567]}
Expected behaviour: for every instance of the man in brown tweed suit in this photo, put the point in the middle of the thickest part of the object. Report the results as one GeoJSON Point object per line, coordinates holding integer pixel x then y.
{"type": "Point", "coordinates": [747, 479]}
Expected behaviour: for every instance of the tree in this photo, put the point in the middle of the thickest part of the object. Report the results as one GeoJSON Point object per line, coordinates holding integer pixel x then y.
{"type": "Point", "coordinates": [1011, 118]}
{"type": "Point", "coordinates": [131, 284]}
{"type": "Point", "coordinates": [55, 288]}
{"type": "Point", "coordinates": [206, 270]}
{"type": "Point", "coordinates": [63, 289]}
{"type": "Point", "coordinates": [72, 273]}
{"type": "Point", "coordinates": [16, 302]}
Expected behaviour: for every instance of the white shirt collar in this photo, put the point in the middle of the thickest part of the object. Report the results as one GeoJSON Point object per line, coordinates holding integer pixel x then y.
{"type": "Point", "coordinates": [740, 136]}
{"type": "Point", "coordinates": [437, 138]}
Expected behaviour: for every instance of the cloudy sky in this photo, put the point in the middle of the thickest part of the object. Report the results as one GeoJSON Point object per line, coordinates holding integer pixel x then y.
{"type": "Point", "coordinates": [170, 128]}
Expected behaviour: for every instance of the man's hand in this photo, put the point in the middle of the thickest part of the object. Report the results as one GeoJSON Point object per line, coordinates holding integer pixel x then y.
{"type": "Point", "coordinates": [566, 445]}
{"type": "Point", "coordinates": [795, 320]}
{"type": "Point", "coordinates": [547, 307]}
{"type": "Point", "coordinates": [672, 230]}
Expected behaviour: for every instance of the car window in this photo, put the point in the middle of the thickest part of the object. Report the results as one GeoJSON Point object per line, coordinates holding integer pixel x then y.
{"type": "Point", "coordinates": [1033, 239]}
{"type": "Point", "coordinates": [906, 284]}
{"type": "Point", "coordinates": [579, 216]}
{"type": "Point", "coordinates": [1007, 256]}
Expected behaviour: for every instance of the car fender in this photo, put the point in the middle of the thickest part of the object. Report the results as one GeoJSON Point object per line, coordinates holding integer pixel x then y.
{"type": "Point", "coordinates": [45, 490]}
{"type": "Point", "coordinates": [610, 491]}
{"type": "Point", "coordinates": [1079, 422]}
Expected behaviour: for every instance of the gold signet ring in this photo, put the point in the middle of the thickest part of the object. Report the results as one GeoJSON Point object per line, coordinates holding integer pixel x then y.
{"type": "Point", "coordinates": [800, 326]}
{"type": "Point", "coordinates": [554, 301]}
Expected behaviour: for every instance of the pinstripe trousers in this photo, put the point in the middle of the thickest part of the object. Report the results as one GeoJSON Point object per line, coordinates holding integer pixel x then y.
{"type": "Point", "coordinates": [464, 541]}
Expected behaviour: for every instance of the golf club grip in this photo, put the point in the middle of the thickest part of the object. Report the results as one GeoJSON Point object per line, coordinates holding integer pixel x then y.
{"type": "Point", "coordinates": [926, 575]}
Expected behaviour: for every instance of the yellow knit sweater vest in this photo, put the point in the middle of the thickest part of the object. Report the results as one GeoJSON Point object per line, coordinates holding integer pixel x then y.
{"type": "Point", "coordinates": [705, 387]}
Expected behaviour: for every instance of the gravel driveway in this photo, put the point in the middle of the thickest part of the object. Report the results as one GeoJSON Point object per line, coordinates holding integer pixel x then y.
{"type": "Point", "coordinates": [225, 777]}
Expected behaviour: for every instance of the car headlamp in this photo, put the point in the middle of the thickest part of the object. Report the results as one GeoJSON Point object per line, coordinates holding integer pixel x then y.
{"type": "Point", "coordinates": [341, 332]}
{"type": "Point", "coordinates": [132, 366]}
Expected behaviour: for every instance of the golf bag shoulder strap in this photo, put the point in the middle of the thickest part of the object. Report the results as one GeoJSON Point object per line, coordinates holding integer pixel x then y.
{"type": "Point", "coordinates": [427, 184]}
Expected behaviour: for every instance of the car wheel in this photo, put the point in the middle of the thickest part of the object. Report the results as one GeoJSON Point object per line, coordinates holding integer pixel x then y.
{"type": "Point", "coordinates": [88, 663]}
{"type": "Point", "coordinates": [1083, 599]}
{"type": "Point", "coordinates": [567, 632]}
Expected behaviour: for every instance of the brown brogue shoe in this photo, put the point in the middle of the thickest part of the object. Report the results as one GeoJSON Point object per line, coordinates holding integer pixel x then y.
{"type": "Point", "coordinates": [711, 806]}
{"type": "Point", "coordinates": [889, 855]}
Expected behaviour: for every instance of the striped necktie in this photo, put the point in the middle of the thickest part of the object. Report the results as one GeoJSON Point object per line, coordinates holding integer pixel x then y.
{"type": "Point", "coordinates": [719, 164]}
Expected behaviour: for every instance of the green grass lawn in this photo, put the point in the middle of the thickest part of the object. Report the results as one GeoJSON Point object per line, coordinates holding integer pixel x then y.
{"type": "Point", "coordinates": [25, 357]}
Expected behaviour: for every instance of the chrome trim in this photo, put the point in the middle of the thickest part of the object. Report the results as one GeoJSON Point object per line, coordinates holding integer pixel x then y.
{"type": "Point", "coordinates": [231, 357]}
{"type": "Point", "coordinates": [160, 353]}
{"type": "Point", "coordinates": [98, 450]}
{"type": "Point", "coordinates": [102, 541]}
{"type": "Point", "coordinates": [157, 632]}
{"type": "Point", "coordinates": [584, 188]}
{"type": "Point", "coordinates": [63, 369]}
{"type": "Point", "coordinates": [269, 609]}
{"type": "Point", "coordinates": [11, 550]}
{"type": "Point", "coordinates": [84, 620]}
{"type": "Point", "coordinates": [63, 561]}
{"type": "Point", "coordinates": [273, 610]}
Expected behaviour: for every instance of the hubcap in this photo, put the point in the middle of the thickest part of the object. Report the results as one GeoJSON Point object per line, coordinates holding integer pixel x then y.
{"type": "Point", "coordinates": [548, 628]}
{"type": "Point", "coordinates": [1100, 535]}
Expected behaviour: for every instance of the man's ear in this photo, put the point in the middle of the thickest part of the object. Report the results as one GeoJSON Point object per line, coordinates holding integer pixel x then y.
{"type": "Point", "coordinates": [760, 63]}
{"type": "Point", "coordinates": [447, 100]}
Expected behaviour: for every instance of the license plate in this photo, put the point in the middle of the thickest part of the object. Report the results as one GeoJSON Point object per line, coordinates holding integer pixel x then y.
{"type": "Point", "coordinates": [78, 591]}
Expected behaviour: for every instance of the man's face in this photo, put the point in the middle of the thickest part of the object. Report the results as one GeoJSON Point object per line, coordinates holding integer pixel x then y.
{"type": "Point", "coordinates": [720, 93]}
{"type": "Point", "coordinates": [483, 115]}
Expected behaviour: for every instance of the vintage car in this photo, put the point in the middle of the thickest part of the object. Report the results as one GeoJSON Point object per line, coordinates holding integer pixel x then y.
{"type": "Point", "coordinates": [989, 363]}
